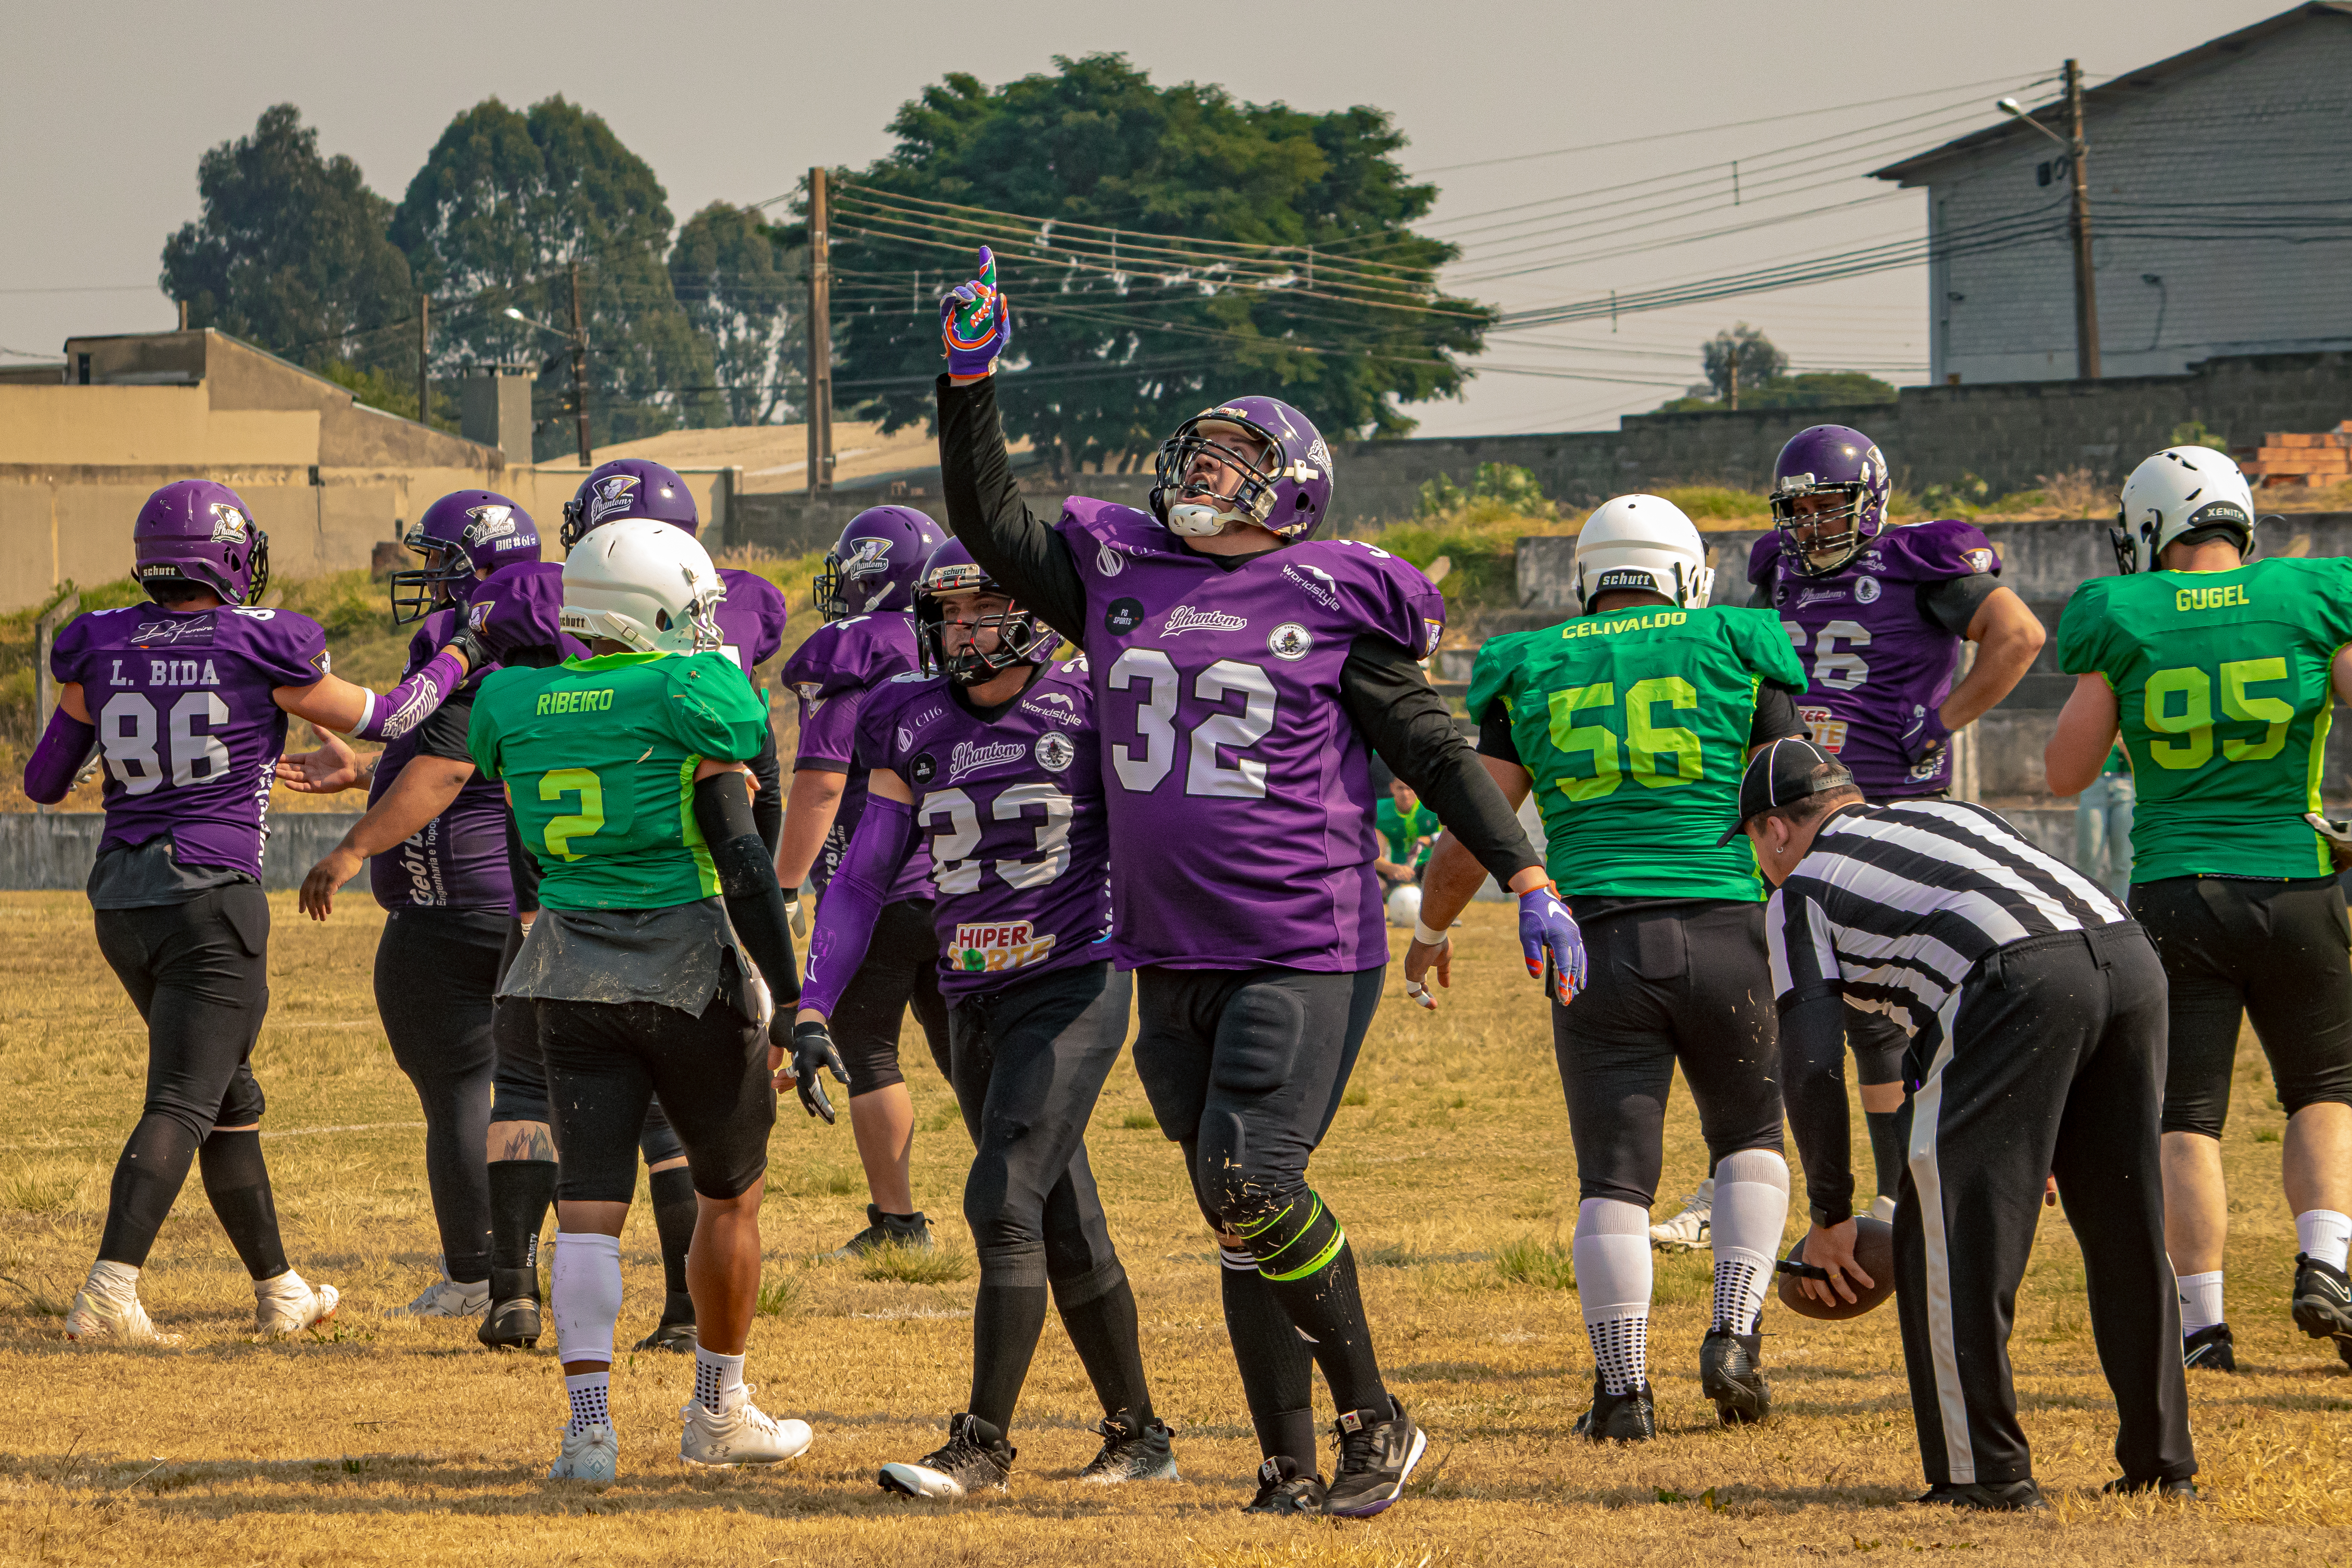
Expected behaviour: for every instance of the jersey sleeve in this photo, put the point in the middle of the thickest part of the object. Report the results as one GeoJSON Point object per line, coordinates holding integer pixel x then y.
{"type": "Point", "coordinates": [2083, 629]}
{"type": "Point", "coordinates": [872, 719]}
{"type": "Point", "coordinates": [70, 655]}
{"type": "Point", "coordinates": [289, 649]}
{"type": "Point", "coordinates": [711, 710]}
{"type": "Point", "coordinates": [1393, 599]}
{"type": "Point", "coordinates": [1490, 680]}
{"type": "Point", "coordinates": [748, 590]}
{"type": "Point", "coordinates": [517, 609]}
{"type": "Point", "coordinates": [482, 725]}
{"type": "Point", "coordinates": [2332, 600]}
{"type": "Point", "coordinates": [1798, 947]}
{"type": "Point", "coordinates": [445, 731]}
{"type": "Point", "coordinates": [1762, 642]}
{"type": "Point", "coordinates": [1764, 560]}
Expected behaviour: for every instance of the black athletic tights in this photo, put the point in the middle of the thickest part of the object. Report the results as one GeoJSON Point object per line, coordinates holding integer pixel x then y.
{"type": "Point", "coordinates": [197, 973]}
{"type": "Point", "coordinates": [437, 971]}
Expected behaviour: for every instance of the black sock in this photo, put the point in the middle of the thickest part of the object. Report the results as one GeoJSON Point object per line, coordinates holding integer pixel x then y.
{"type": "Point", "coordinates": [1277, 1366]}
{"type": "Point", "coordinates": [521, 1192]}
{"type": "Point", "coordinates": [1305, 1258]}
{"type": "Point", "coordinates": [236, 1179]}
{"type": "Point", "coordinates": [674, 1213]}
{"type": "Point", "coordinates": [1886, 1148]}
{"type": "Point", "coordinates": [1103, 1333]}
{"type": "Point", "coordinates": [147, 1181]}
{"type": "Point", "coordinates": [1005, 1323]}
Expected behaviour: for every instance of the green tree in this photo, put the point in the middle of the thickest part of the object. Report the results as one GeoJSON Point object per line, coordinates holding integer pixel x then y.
{"type": "Point", "coordinates": [1814, 389]}
{"type": "Point", "coordinates": [1111, 347]}
{"type": "Point", "coordinates": [1757, 362]}
{"type": "Point", "coordinates": [504, 207]}
{"type": "Point", "coordinates": [741, 281]}
{"type": "Point", "coordinates": [289, 251]}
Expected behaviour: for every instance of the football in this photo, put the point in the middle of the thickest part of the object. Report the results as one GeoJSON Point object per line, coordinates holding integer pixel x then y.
{"type": "Point", "coordinates": [1874, 1250]}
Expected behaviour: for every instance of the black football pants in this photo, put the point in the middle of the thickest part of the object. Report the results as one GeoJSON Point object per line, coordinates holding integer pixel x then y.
{"type": "Point", "coordinates": [2052, 1063]}
{"type": "Point", "coordinates": [901, 970]}
{"type": "Point", "coordinates": [437, 971]}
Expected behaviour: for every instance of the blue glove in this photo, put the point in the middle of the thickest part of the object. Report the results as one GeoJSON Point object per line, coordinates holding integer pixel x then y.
{"type": "Point", "coordinates": [975, 322]}
{"type": "Point", "coordinates": [1547, 931]}
{"type": "Point", "coordinates": [1924, 736]}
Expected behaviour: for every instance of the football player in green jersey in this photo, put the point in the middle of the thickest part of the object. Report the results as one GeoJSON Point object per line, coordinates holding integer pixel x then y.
{"type": "Point", "coordinates": [2220, 675]}
{"type": "Point", "coordinates": [659, 916]}
{"type": "Point", "coordinates": [1631, 723]}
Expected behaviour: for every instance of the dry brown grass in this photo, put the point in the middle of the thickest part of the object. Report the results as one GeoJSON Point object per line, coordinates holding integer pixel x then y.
{"type": "Point", "coordinates": [387, 1441]}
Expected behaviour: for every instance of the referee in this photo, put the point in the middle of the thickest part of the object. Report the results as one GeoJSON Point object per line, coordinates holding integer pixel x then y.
{"type": "Point", "coordinates": [2036, 1014]}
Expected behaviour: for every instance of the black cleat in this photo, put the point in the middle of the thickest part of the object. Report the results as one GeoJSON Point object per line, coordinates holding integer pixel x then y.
{"type": "Point", "coordinates": [2179, 1487]}
{"type": "Point", "coordinates": [510, 1325]}
{"type": "Point", "coordinates": [2209, 1350]}
{"type": "Point", "coordinates": [1731, 1372]}
{"type": "Point", "coordinates": [1999, 1497]}
{"type": "Point", "coordinates": [1619, 1417]}
{"type": "Point", "coordinates": [1131, 1453]}
{"type": "Point", "coordinates": [677, 1338]}
{"type": "Point", "coordinates": [1377, 1454]}
{"type": "Point", "coordinates": [1282, 1490]}
{"type": "Point", "coordinates": [911, 1231]}
{"type": "Point", "coordinates": [975, 1458]}
{"type": "Point", "coordinates": [2323, 1301]}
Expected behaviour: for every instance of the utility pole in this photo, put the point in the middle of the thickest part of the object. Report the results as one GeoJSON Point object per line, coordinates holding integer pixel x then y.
{"type": "Point", "coordinates": [580, 369]}
{"type": "Point", "coordinates": [2087, 294]}
{"type": "Point", "coordinates": [820, 341]}
{"type": "Point", "coordinates": [1734, 352]}
{"type": "Point", "coordinates": [423, 359]}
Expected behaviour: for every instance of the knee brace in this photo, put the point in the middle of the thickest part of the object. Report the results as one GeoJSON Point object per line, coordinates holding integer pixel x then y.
{"type": "Point", "coordinates": [1295, 1240]}
{"type": "Point", "coordinates": [586, 1292]}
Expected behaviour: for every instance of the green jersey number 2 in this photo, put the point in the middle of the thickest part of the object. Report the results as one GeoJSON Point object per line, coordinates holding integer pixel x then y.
{"type": "Point", "coordinates": [1647, 743]}
{"type": "Point", "coordinates": [562, 829]}
{"type": "Point", "coordinates": [2179, 712]}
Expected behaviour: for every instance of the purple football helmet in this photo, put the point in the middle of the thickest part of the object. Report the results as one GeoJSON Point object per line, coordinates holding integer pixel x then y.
{"type": "Point", "coordinates": [1021, 637]}
{"type": "Point", "coordinates": [197, 535]}
{"type": "Point", "coordinates": [464, 537]}
{"type": "Point", "coordinates": [1286, 488]}
{"type": "Point", "coordinates": [1833, 460]}
{"type": "Point", "coordinates": [876, 563]}
{"type": "Point", "coordinates": [628, 486]}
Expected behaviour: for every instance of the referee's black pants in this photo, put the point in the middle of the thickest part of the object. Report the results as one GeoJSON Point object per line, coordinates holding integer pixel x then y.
{"type": "Point", "coordinates": [2052, 1063]}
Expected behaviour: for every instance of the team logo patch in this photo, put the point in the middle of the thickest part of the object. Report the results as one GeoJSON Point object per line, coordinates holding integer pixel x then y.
{"type": "Point", "coordinates": [613, 495]}
{"type": "Point", "coordinates": [1055, 705]}
{"type": "Point", "coordinates": [1981, 559]}
{"type": "Point", "coordinates": [230, 526]}
{"type": "Point", "coordinates": [1866, 590]}
{"type": "Point", "coordinates": [923, 769]}
{"type": "Point", "coordinates": [906, 738]}
{"type": "Point", "coordinates": [1823, 596]}
{"type": "Point", "coordinates": [1185, 618]}
{"type": "Point", "coordinates": [1827, 729]}
{"type": "Point", "coordinates": [870, 558]}
{"type": "Point", "coordinates": [1436, 632]}
{"type": "Point", "coordinates": [1320, 584]}
{"type": "Point", "coordinates": [1290, 640]}
{"type": "Point", "coordinates": [1626, 577]}
{"type": "Point", "coordinates": [985, 947]}
{"type": "Point", "coordinates": [479, 615]}
{"type": "Point", "coordinates": [1110, 561]}
{"type": "Point", "coordinates": [1053, 752]}
{"type": "Point", "coordinates": [324, 664]}
{"type": "Point", "coordinates": [1123, 617]}
{"type": "Point", "coordinates": [490, 522]}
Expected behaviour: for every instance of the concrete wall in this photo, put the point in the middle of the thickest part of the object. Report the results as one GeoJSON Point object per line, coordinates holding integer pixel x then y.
{"type": "Point", "coordinates": [54, 849]}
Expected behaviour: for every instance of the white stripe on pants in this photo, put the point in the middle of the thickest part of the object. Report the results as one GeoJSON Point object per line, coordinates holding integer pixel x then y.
{"type": "Point", "coordinates": [1927, 1176]}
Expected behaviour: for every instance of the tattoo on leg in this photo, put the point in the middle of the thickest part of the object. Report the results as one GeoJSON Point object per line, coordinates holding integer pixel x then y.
{"type": "Point", "coordinates": [521, 1140]}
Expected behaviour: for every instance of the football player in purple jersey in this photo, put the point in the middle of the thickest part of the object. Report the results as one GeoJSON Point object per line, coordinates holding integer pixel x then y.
{"type": "Point", "coordinates": [185, 700]}
{"type": "Point", "coordinates": [866, 595]}
{"type": "Point", "coordinates": [1878, 612]}
{"type": "Point", "coordinates": [435, 841]}
{"type": "Point", "coordinates": [1242, 669]}
{"type": "Point", "coordinates": [989, 753]}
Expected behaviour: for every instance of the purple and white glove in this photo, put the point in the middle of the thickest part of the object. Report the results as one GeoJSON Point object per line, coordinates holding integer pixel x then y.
{"type": "Point", "coordinates": [1925, 735]}
{"type": "Point", "coordinates": [1548, 932]}
{"type": "Point", "coordinates": [975, 322]}
{"type": "Point", "coordinates": [394, 713]}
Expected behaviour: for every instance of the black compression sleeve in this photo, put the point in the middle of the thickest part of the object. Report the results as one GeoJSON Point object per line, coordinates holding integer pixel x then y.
{"type": "Point", "coordinates": [747, 879]}
{"type": "Point", "coordinates": [1495, 738]}
{"type": "Point", "coordinates": [985, 510]}
{"type": "Point", "coordinates": [1397, 710]}
{"type": "Point", "coordinates": [1812, 1081]}
{"type": "Point", "coordinates": [768, 806]}
{"type": "Point", "coordinates": [1953, 602]}
{"type": "Point", "coordinates": [443, 733]}
{"type": "Point", "coordinates": [1776, 716]}
{"type": "Point", "coordinates": [521, 869]}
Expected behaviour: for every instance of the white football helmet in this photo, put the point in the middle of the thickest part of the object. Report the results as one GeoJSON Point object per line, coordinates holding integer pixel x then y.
{"type": "Point", "coordinates": [1643, 542]}
{"type": "Point", "coordinates": [645, 584]}
{"type": "Point", "coordinates": [1404, 906]}
{"type": "Point", "coordinates": [2178, 492]}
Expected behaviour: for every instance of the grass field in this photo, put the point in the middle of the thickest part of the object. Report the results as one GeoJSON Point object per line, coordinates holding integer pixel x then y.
{"type": "Point", "coordinates": [381, 1441]}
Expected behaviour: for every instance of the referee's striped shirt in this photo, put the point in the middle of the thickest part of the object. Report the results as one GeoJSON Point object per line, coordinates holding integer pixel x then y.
{"type": "Point", "coordinates": [1894, 904]}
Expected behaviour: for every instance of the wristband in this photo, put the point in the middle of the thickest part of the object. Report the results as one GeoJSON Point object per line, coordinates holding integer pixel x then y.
{"type": "Point", "coordinates": [1426, 937]}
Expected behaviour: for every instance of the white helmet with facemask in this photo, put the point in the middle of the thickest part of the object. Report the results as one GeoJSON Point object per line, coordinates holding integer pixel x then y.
{"type": "Point", "coordinates": [644, 584]}
{"type": "Point", "coordinates": [2180, 491]}
{"type": "Point", "coordinates": [1645, 543]}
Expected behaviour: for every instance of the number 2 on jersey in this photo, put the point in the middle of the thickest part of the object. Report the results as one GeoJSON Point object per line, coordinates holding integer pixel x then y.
{"type": "Point", "coordinates": [1647, 746]}
{"type": "Point", "coordinates": [562, 829]}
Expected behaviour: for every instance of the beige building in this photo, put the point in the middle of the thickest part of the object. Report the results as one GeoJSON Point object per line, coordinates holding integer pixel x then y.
{"type": "Point", "coordinates": [327, 476]}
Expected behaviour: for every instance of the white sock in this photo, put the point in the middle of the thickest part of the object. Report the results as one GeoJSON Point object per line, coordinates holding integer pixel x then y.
{"type": "Point", "coordinates": [591, 1404]}
{"type": "Point", "coordinates": [1751, 1209]}
{"type": "Point", "coordinates": [2324, 1235]}
{"type": "Point", "coordinates": [1613, 1284]}
{"type": "Point", "coordinates": [288, 1285]}
{"type": "Point", "coordinates": [715, 1376]}
{"type": "Point", "coordinates": [119, 1280]}
{"type": "Point", "coordinates": [2200, 1301]}
{"type": "Point", "coordinates": [585, 1294]}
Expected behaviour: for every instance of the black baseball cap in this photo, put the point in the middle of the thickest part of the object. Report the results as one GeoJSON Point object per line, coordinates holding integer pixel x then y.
{"type": "Point", "coordinates": [1782, 774]}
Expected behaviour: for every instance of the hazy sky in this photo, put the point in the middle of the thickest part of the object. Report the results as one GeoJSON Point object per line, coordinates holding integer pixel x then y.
{"type": "Point", "coordinates": [108, 107]}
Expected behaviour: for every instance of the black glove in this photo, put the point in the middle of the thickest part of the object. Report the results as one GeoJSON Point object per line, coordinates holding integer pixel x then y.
{"type": "Point", "coordinates": [813, 1049]}
{"type": "Point", "coordinates": [478, 657]}
{"type": "Point", "coordinates": [2337, 834]}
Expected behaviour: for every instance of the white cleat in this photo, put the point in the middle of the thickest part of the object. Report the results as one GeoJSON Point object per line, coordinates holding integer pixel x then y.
{"type": "Point", "coordinates": [740, 1434]}
{"type": "Point", "coordinates": [445, 1297]}
{"type": "Point", "coordinates": [593, 1455]}
{"type": "Point", "coordinates": [98, 1314]}
{"type": "Point", "coordinates": [1687, 1231]}
{"type": "Point", "coordinates": [1882, 1208]}
{"type": "Point", "coordinates": [289, 1304]}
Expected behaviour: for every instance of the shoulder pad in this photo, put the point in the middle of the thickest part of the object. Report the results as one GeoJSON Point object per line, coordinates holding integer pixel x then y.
{"type": "Point", "coordinates": [1926, 552]}
{"type": "Point", "coordinates": [1764, 556]}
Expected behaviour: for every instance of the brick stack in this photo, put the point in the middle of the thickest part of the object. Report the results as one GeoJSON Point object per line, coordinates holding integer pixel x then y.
{"type": "Point", "coordinates": [2284, 459]}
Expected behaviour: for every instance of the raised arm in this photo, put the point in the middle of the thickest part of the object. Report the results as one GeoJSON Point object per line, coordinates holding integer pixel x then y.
{"type": "Point", "coordinates": [985, 510]}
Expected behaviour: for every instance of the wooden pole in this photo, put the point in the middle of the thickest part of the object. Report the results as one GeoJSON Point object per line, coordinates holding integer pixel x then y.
{"type": "Point", "coordinates": [424, 359]}
{"type": "Point", "coordinates": [2078, 223]}
{"type": "Point", "coordinates": [44, 637]}
{"type": "Point", "coordinates": [579, 371]}
{"type": "Point", "coordinates": [820, 340]}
